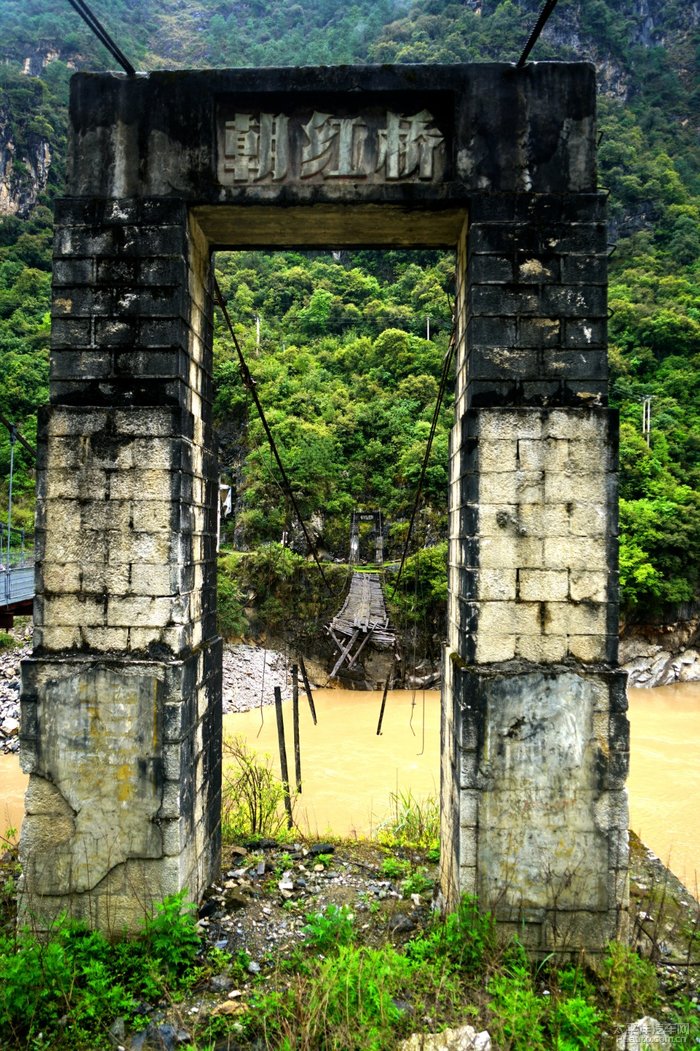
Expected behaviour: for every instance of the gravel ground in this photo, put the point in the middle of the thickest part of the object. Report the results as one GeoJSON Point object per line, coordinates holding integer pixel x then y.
{"type": "Point", "coordinates": [251, 672]}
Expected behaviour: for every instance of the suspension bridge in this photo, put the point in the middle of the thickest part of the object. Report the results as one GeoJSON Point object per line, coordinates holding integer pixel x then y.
{"type": "Point", "coordinates": [16, 574]}
{"type": "Point", "coordinates": [363, 618]}
{"type": "Point", "coordinates": [16, 549]}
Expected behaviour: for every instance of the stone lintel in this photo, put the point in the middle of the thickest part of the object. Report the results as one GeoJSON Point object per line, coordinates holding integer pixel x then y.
{"type": "Point", "coordinates": [184, 128]}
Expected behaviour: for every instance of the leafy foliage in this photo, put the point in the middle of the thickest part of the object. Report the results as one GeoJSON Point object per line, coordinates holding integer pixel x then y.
{"type": "Point", "coordinates": [329, 928]}
{"type": "Point", "coordinates": [252, 795]}
{"type": "Point", "coordinates": [78, 982]}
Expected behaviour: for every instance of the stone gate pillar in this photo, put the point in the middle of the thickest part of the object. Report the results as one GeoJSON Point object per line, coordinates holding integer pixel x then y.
{"type": "Point", "coordinates": [534, 733]}
{"type": "Point", "coordinates": [121, 729]}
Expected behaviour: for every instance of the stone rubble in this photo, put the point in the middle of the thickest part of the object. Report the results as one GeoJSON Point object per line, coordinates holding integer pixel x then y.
{"type": "Point", "coordinates": [9, 691]}
{"type": "Point", "coordinates": [646, 1034]}
{"type": "Point", "coordinates": [658, 655]}
{"type": "Point", "coordinates": [284, 884]}
{"type": "Point", "coordinates": [466, 1038]}
{"type": "Point", "coordinates": [251, 674]}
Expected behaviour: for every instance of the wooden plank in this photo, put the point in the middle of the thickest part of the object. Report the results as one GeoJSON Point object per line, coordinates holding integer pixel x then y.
{"type": "Point", "coordinates": [359, 649]}
{"type": "Point", "coordinates": [283, 757]}
{"type": "Point", "coordinates": [307, 687]}
{"type": "Point", "coordinates": [344, 652]}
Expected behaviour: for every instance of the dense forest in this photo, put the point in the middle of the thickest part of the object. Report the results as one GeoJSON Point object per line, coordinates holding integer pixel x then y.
{"type": "Point", "coordinates": [346, 348]}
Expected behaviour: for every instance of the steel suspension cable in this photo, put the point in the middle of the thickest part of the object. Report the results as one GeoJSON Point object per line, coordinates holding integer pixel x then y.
{"type": "Point", "coordinates": [433, 427]}
{"type": "Point", "coordinates": [249, 383]}
{"type": "Point", "coordinates": [93, 23]}
{"type": "Point", "coordinates": [12, 428]}
{"type": "Point", "coordinates": [535, 34]}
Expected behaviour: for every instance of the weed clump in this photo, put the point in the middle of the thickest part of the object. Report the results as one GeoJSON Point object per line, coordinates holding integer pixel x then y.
{"type": "Point", "coordinates": [462, 940]}
{"type": "Point", "coordinates": [74, 983]}
{"type": "Point", "coordinates": [413, 822]}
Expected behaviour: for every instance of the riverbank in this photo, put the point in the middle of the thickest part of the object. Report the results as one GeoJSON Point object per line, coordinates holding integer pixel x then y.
{"type": "Point", "coordinates": [652, 655]}
{"type": "Point", "coordinates": [661, 654]}
{"type": "Point", "coordinates": [311, 944]}
{"type": "Point", "coordinates": [250, 675]}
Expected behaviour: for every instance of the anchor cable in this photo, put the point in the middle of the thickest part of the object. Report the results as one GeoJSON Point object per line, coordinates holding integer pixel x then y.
{"type": "Point", "coordinates": [535, 34]}
{"type": "Point", "coordinates": [433, 427]}
{"type": "Point", "coordinates": [93, 23]}
{"type": "Point", "coordinates": [249, 383]}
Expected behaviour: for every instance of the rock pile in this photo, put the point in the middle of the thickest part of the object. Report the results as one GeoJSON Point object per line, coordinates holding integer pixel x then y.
{"type": "Point", "coordinates": [9, 697]}
{"type": "Point", "coordinates": [284, 884]}
{"type": "Point", "coordinates": [251, 674]}
{"type": "Point", "coordinates": [657, 655]}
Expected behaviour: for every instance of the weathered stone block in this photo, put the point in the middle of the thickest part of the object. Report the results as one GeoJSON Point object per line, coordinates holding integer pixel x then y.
{"type": "Point", "coordinates": [540, 585]}
{"type": "Point", "coordinates": [582, 553]}
{"type": "Point", "coordinates": [564, 618]}
{"type": "Point", "coordinates": [586, 586]}
{"type": "Point", "coordinates": [496, 584]}
{"type": "Point", "coordinates": [567, 487]}
{"type": "Point", "coordinates": [509, 618]}
{"type": "Point", "coordinates": [589, 520]}
{"type": "Point", "coordinates": [503, 424]}
{"type": "Point", "coordinates": [511, 553]}
{"type": "Point", "coordinates": [498, 456]}
{"type": "Point", "coordinates": [492, 648]}
{"type": "Point", "coordinates": [97, 638]}
{"type": "Point", "coordinates": [535, 332]}
{"type": "Point", "coordinates": [541, 649]}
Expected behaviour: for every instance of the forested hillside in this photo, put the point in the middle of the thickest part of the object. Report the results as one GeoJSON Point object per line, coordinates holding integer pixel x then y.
{"type": "Point", "coordinates": [342, 362]}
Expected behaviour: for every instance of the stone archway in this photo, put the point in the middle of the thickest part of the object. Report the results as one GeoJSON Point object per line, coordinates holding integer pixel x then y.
{"type": "Point", "coordinates": [121, 712]}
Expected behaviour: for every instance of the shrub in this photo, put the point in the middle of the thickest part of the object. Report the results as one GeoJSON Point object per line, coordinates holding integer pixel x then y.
{"type": "Point", "coordinates": [630, 980]}
{"type": "Point", "coordinates": [76, 982]}
{"type": "Point", "coordinates": [518, 1012]}
{"type": "Point", "coordinates": [252, 795]}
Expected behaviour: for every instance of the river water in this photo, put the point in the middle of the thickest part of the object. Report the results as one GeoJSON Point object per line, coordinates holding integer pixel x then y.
{"type": "Point", "coordinates": [349, 774]}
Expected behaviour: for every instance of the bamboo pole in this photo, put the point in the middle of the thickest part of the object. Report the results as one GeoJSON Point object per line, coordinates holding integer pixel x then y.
{"type": "Point", "coordinates": [295, 724]}
{"type": "Point", "coordinates": [307, 687]}
{"type": "Point", "coordinates": [283, 756]}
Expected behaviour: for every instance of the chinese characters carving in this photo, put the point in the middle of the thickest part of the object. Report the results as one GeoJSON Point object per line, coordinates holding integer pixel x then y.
{"type": "Point", "coordinates": [256, 147]}
{"type": "Point", "coordinates": [267, 147]}
{"type": "Point", "coordinates": [334, 146]}
{"type": "Point", "coordinates": [408, 145]}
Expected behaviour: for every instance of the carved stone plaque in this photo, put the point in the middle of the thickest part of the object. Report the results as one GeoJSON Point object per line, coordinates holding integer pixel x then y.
{"type": "Point", "coordinates": [260, 147]}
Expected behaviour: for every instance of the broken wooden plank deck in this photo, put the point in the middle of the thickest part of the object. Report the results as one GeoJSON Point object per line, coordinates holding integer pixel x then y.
{"type": "Point", "coordinates": [362, 619]}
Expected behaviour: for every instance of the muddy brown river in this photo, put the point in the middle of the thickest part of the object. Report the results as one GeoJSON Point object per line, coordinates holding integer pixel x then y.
{"type": "Point", "coordinates": [349, 774]}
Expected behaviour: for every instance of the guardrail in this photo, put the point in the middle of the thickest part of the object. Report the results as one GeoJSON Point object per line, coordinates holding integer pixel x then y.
{"type": "Point", "coordinates": [16, 566]}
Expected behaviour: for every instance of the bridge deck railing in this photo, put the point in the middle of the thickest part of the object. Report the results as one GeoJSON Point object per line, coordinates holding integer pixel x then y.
{"type": "Point", "coordinates": [16, 565]}
{"type": "Point", "coordinates": [16, 547]}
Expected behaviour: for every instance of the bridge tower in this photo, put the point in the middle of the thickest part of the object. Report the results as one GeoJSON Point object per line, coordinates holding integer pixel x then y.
{"type": "Point", "coordinates": [121, 704]}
